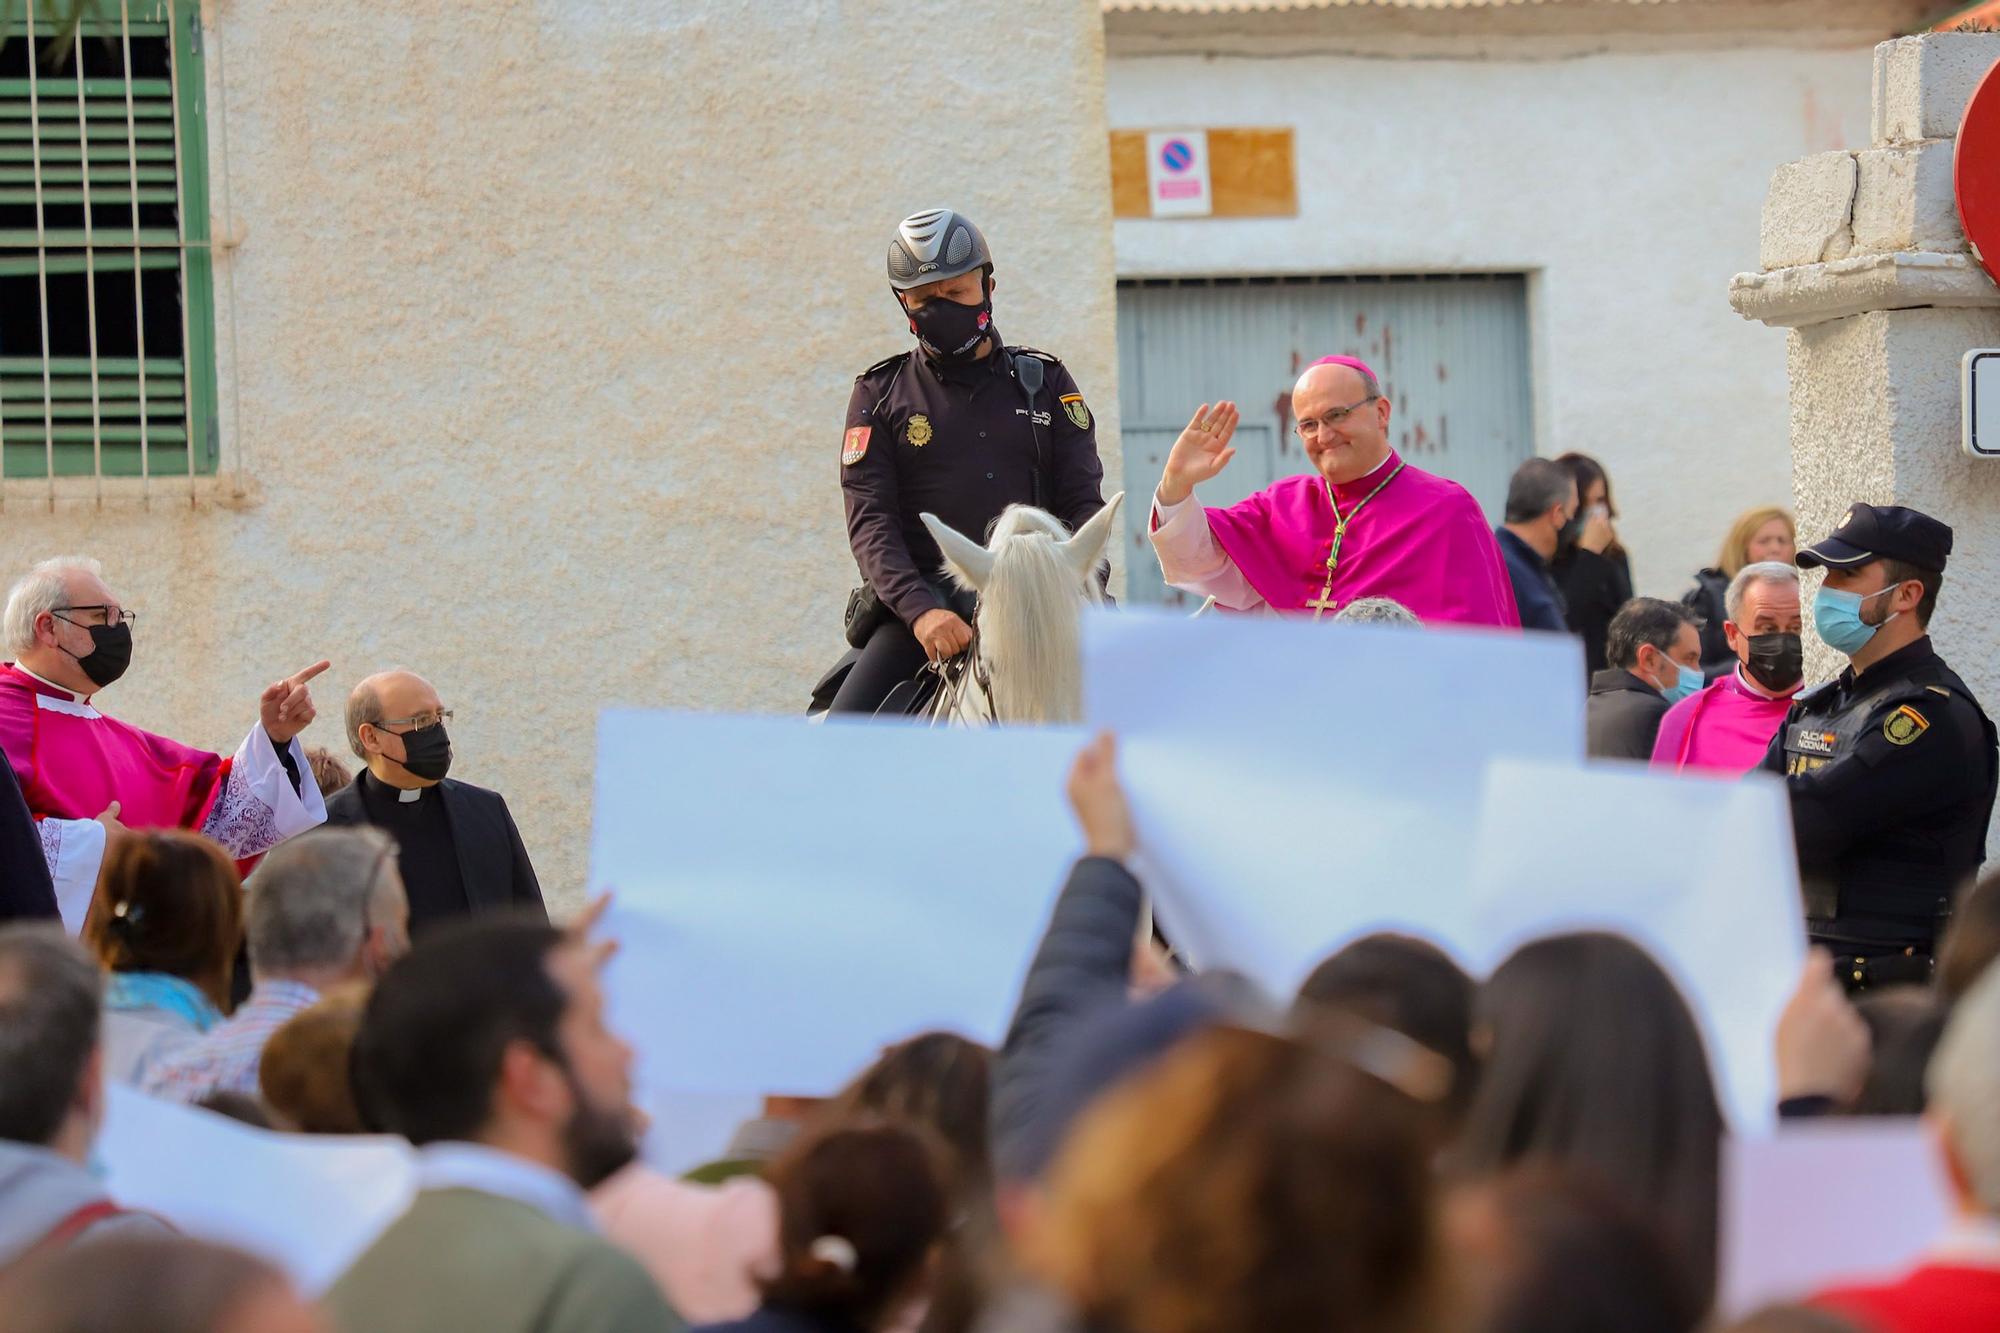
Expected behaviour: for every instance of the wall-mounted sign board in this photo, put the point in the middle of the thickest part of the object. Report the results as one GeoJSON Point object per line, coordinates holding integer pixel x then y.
{"type": "Point", "coordinates": [1219, 173]}
{"type": "Point", "coordinates": [1980, 395]}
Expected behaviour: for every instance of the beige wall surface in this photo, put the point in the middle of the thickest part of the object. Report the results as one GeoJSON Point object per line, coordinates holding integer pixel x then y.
{"type": "Point", "coordinates": [536, 339]}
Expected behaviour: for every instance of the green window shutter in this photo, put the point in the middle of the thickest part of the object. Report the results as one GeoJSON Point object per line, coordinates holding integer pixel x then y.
{"type": "Point", "coordinates": [107, 305]}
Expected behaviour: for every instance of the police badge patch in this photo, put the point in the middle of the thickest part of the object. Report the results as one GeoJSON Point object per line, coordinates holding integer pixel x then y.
{"type": "Point", "coordinates": [1073, 408]}
{"type": "Point", "coordinates": [918, 432]}
{"type": "Point", "coordinates": [1904, 725]}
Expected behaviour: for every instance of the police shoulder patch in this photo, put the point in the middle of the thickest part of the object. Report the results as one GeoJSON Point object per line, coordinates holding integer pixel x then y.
{"type": "Point", "coordinates": [854, 445]}
{"type": "Point", "coordinates": [1904, 725]}
{"type": "Point", "coordinates": [1074, 409]}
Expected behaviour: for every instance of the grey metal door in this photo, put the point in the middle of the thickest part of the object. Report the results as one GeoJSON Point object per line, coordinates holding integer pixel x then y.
{"type": "Point", "coordinates": [1452, 352]}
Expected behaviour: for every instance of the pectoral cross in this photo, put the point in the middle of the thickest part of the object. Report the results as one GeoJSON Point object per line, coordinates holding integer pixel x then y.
{"type": "Point", "coordinates": [1320, 605]}
{"type": "Point", "coordinates": [1324, 603]}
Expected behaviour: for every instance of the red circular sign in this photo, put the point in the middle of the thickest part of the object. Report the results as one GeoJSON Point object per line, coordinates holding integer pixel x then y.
{"type": "Point", "coordinates": [1976, 171]}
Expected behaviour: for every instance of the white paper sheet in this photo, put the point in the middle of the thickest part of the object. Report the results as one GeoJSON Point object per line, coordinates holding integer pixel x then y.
{"type": "Point", "coordinates": [308, 1203]}
{"type": "Point", "coordinates": [1297, 786]}
{"type": "Point", "coordinates": [789, 898]}
{"type": "Point", "coordinates": [1826, 1202]}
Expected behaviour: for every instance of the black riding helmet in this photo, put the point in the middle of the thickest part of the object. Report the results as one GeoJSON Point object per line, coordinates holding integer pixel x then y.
{"type": "Point", "coordinates": [933, 245]}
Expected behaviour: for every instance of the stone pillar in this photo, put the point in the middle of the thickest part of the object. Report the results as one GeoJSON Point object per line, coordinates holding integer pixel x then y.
{"type": "Point", "coordinates": [1864, 261]}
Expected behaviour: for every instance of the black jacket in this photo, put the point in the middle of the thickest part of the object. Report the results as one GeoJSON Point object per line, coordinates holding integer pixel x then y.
{"type": "Point", "coordinates": [25, 888]}
{"type": "Point", "coordinates": [1594, 588]}
{"type": "Point", "coordinates": [1622, 719]}
{"type": "Point", "coordinates": [1535, 591]}
{"type": "Point", "coordinates": [1705, 599]}
{"type": "Point", "coordinates": [491, 856]}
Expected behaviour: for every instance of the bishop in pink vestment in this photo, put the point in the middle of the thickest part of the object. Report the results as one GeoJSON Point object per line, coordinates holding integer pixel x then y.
{"type": "Point", "coordinates": [1402, 533]}
{"type": "Point", "coordinates": [1723, 728]}
{"type": "Point", "coordinates": [75, 764]}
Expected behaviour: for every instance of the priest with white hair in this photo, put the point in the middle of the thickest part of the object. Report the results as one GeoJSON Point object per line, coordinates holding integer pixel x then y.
{"type": "Point", "coordinates": [87, 776]}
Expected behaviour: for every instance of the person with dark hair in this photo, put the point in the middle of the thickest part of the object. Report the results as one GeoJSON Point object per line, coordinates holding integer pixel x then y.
{"type": "Point", "coordinates": [486, 1048]}
{"type": "Point", "coordinates": [1892, 767]}
{"type": "Point", "coordinates": [1590, 565]}
{"type": "Point", "coordinates": [457, 846]}
{"type": "Point", "coordinates": [1654, 653]}
{"type": "Point", "coordinates": [27, 893]}
{"type": "Point", "coordinates": [51, 1096]}
{"type": "Point", "coordinates": [1541, 504]}
{"type": "Point", "coordinates": [862, 1208]}
{"type": "Point", "coordinates": [1243, 1181]}
{"type": "Point", "coordinates": [166, 923]}
{"type": "Point", "coordinates": [324, 909]}
{"type": "Point", "coordinates": [1594, 1063]}
{"type": "Point", "coordinates": [303, 1072]}
{"type": "Point", "coordinates": [1550, 1251]}
{"type": "Point", "coordinates": [159, 1284]}
{"type": "Point", "coordinates": [1409, 986]}
{"type": "Point", "coordinates": [1972, 940]}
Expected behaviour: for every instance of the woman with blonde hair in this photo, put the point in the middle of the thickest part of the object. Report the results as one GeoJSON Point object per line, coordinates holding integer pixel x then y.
{"type": "Point", "coordinates": [1244, 1181]}
{"type": "Point", "coordinates": [1757, 535]}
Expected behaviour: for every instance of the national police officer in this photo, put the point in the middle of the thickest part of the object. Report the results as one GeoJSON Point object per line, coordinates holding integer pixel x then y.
{"type": "Point", "coordinates": [960, 427]}
{"type": "Point", "coordinates": [1890, 767]}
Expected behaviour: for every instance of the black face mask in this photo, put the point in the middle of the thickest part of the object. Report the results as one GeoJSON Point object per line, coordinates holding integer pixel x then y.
{"type": "Point", "coordinates": [427, 753]}
{"type": "Point", "coordinates": [1777, 661]}
{"type": "Point", "coordinates": [1570, 532]}
{"type": "Point", "coordinates": [112, 653]}
{"type": "Point", "coordinates": [950, 331]}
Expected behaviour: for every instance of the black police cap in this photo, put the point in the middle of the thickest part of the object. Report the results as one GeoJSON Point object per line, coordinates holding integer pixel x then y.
{"type": "Point", "coordinates": [1881, 532]}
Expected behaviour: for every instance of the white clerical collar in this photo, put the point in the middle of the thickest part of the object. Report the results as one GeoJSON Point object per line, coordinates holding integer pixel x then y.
{"type": "Point", "coordinates": [60, 689]}
{"type": "Point", "coordinates": [474, 1166]}
{"type": "Point", "coordinates": [1756, 691]}
{"type": "Point", "coordinates": [409, 795]}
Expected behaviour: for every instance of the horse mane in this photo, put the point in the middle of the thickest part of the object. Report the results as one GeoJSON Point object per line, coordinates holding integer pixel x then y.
{"type": "Point", "coordinates": [1029, 614]}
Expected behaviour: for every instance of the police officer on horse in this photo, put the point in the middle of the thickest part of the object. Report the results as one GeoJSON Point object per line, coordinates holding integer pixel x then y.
{"type": "Point", "coordinates": [960, 426]}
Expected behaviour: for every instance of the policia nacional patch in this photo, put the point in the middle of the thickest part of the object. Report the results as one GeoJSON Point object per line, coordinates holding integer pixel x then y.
{"type": "Point", "coordinates": [1073, 408]}
{"type": "Point", "coordinates": [918, 432]}
{"type": "Point", "coordinates": [1904, 725]}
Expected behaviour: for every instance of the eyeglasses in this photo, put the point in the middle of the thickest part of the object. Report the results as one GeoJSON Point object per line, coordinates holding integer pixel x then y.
{"type": "Point", "coordinates": [1309, 427]}
{"type": "Point", "coordinates": [112, 614]}
{"type": "Point", "coordinates": [416, 721]}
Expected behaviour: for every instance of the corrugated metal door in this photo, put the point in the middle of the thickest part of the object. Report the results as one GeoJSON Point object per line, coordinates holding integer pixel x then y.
{"type": "Point", "coordinates": [1452, 352]}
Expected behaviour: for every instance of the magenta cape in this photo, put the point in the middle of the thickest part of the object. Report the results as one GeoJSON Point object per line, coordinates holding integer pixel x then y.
{"type": "Point", "coordinates": [72, 765]}
{"type": "Point", "coordinates": [1725, 728]}
{"type": "Point", "coordinates": [1423, 542]}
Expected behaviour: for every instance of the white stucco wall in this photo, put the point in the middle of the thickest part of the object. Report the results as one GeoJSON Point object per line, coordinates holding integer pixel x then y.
{"type": "Point", "coordinates": [537, 340]}
{"type": "Point", "coordinates": [1627, 184]}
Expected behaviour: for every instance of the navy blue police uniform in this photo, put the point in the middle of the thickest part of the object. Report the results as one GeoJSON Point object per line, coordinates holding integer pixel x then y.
{"type": "Point", "coordinates": [1891, 774]}
{"type": "Point", "coordinates": [961, 441]}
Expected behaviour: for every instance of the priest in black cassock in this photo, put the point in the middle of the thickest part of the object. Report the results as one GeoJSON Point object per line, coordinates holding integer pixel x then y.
{"type": "Point", "coordinates": [456, 843]}
{"type": "Point", "coordinates": [26, 890]}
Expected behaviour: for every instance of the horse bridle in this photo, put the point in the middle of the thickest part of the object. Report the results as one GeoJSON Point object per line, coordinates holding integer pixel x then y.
{"type": "Point", "coordinates": [952, 673]}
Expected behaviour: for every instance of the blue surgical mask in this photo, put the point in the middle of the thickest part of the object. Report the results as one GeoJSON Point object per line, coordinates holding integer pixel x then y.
{"type": "Point", "coordinates": [1686, 681]}
{"type": "Point", "coordinates": [1837, 619]}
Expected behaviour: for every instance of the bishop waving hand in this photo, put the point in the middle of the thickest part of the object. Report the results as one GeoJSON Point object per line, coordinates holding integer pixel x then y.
{"type": "Point", "coordinates": [87, 776]}
{"type": "Point", "coordinates": [1363, 523]}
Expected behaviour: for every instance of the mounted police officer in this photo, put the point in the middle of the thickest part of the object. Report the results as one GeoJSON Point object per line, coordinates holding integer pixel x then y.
{"type": "Point", "coordinates": [1890, 767]}
{"type": "Point", "coordinates": [960, 427]}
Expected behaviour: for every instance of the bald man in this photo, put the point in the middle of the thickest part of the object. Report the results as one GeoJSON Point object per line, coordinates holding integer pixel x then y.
{"type": "Point", "coordinates": [456, 844]}
{"type": "Point", "coordinates": [1363, 523]}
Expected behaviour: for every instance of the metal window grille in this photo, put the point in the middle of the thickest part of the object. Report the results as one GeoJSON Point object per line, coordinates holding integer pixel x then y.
{"type": "Point", "coordinates": [107, 318]}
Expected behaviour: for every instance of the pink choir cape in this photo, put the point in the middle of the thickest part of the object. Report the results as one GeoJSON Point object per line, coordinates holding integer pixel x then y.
{"type": "Point", "coordinates": [1423, 542]}
{"type": "Point", "coordinates": [73, 761]}
{"type": "Point", "coordinates": [1724, 728]}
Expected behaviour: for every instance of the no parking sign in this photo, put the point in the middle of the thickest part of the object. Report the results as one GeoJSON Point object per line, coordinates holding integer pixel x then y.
{"type": "Point", "coordinates": [1177, 174]}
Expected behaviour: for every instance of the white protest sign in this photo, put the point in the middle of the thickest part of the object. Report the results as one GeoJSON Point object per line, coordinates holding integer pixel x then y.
{"type": "Point", "coordinates": [1177, 178]}
{"type": "Point", "coordinates": [308, 1203]}
{"type": "Point", "coordinates": [1827, 1202]}
{"type": "Point", "coordinates": [1700, 872]}
{"type": "Point", "coordinates": [1297, 784]}
{"type": "Point", "coordinates": [791, 898]}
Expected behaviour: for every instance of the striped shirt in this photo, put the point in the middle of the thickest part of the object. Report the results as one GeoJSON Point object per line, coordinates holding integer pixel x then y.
{"type": "Point", "coordinates": [225, 1059]}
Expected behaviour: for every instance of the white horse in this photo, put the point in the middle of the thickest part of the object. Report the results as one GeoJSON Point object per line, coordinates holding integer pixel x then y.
{"type": "Point", "coordinates": [1032, 579]}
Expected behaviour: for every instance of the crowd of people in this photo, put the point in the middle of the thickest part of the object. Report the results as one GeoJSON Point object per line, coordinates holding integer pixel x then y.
{"type": "Point", "coordinates": [1398, 1146]}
